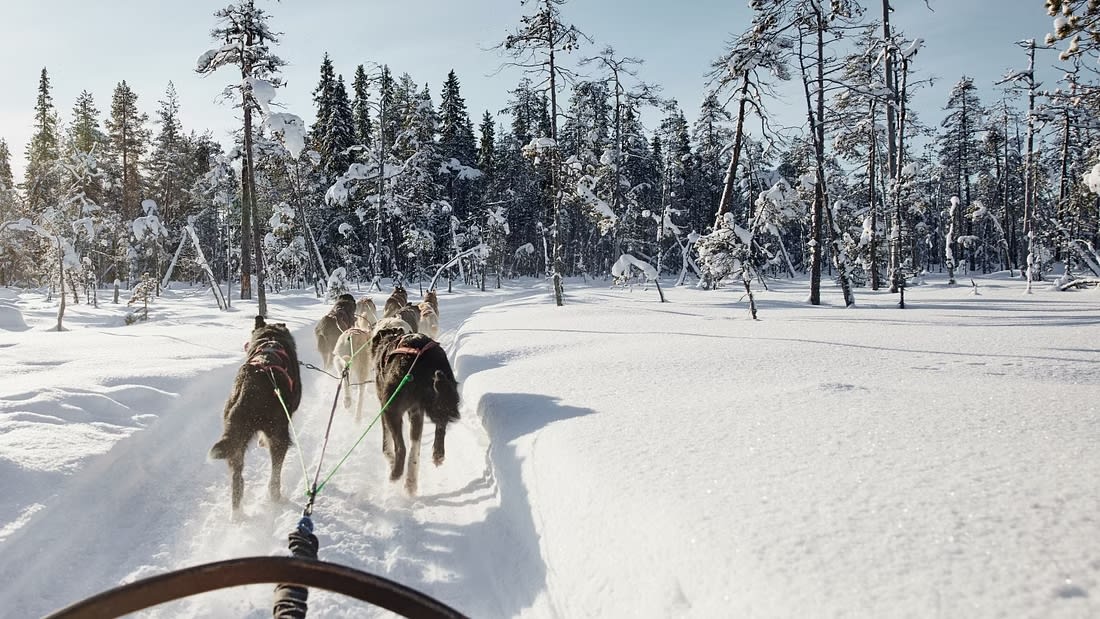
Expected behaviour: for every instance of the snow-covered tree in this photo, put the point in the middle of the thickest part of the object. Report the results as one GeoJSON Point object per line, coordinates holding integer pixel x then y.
{"type": "Point", "coordinates": [245, 36]}
{"type": "Point", "coordinates": [129, 140]}
{"type": "Point", "coordinates": [537, 45]}
{"type": "Point", "coordinates": [40, 179]}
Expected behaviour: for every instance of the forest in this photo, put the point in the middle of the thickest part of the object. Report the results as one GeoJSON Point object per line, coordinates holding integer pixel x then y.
{"type": "Point", "coordinates": [567, 181]}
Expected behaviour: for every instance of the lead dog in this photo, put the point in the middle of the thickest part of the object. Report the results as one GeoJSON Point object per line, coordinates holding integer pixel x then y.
{"type": "Point", "coordinates": [398, 298]}
{"type": "Point", "coordinates": [429, 320]}
{"type": "Point", "coordinates": [432, 391]}
{"type": "Point", "coordinates": [254, 407]}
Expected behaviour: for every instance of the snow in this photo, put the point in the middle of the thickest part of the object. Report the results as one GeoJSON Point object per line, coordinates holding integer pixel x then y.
{"type": "Point", "coordinates": [622, 267]}
{"type": "Point", "coordinates": [1092, 179]}
{"type": "Point", "coordinates": [616, 456]}
{"type": "Point", "coordinates": [915, 46]}
{"type": "Point", "coordinates": [263, 92]}
{"type": "Point", "coordinates": [290, 128]}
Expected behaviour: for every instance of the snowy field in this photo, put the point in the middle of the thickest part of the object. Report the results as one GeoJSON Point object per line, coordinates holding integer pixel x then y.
{"type": "Point", "coordinates": [616, 457]}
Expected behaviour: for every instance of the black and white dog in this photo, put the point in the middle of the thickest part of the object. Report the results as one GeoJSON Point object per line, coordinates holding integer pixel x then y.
{"type": "Point", "coordinates": [431, 390]}
{"type": "Point", "coordinates": [254, 407]}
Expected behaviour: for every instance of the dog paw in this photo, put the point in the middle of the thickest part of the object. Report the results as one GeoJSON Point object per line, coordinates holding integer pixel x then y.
{"type": "Point", "coordinates": [437, 459]}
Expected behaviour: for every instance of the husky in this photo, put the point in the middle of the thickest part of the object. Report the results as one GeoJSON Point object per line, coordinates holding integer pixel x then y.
{"type": "Point", "coordinates": [432, 390]}
{"type": "Point", "coordinates": [268, 381]}
{"type": "Point", "coordinates": [429, 320]}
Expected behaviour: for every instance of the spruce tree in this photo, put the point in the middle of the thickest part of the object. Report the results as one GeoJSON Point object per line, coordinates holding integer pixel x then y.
{"type": "Point", "coordinates": [712, 136]}
{"type": "Point", "coordinates": [6, 178]}
{"type": "Point", "coordinates": [170, 177]}
{"type": "Point", "coordinates": [960, 150]}
{"type": "Point", "coordinates": [456, 146]}
{"type": "Point", "coordinates": [340, 134]}
{"type": "Point", "coordinates": [361, 107]}
{"type": "Point", "coordinates": [486, 154]}
{"type": "Point", "coordinates": [41, 183]}
{"type": "Point", "coordinates": [84, 132]}
{"type": "Point", "coordinates": [456, 135]}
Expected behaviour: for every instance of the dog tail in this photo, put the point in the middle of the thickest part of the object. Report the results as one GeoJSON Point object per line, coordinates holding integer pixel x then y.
{"type": "Point", "coordinates": [446, 399]}
{"type": "Point", "coordinates": [220, 450]}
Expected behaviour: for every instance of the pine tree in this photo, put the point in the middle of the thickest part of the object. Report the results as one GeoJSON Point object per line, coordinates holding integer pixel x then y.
{"type": "Point", "coordinates": [41, 183]}
{"type": "Point", "coordinates": [245, 35]}
{"type": "Point", "coordinates": [129, 139]}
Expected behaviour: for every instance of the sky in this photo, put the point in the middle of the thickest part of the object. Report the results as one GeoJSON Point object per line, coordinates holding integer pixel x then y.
{"type": "Point", "coordinates": [87, 47]}
{"type": "Point", "coordinates": [936, 461]}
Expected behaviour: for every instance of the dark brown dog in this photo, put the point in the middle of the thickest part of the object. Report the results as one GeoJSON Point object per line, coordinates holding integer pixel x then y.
{"type": "Point", "coordinates": [254, 407]}
{"type": "Point", "coordinates": [398, 298]}
{"type": "Point", "coordinates": [432, 390]}
{"type": "Point", "coordinates": [339, 319]}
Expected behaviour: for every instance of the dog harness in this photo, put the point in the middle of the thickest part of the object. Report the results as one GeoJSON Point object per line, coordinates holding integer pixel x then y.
{"type": "Point", "coordinates": [259, 359]}
{"type": "Point", "coordinates": [402, 349]}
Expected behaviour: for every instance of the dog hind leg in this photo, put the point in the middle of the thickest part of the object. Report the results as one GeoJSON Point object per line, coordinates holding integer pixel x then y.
{"type": "Point", "coordinates": [387, 440]}
{"type": "Point", "coordinates": [278, 446]}
{"type": "Point", "coordinates": [438, 452]}
{"type": "Point", "coordinates": [236, 474]}
{"type": "Point", "coordinates": [416, 429]}
{"type": "Point", "coordinates": [393, 419]}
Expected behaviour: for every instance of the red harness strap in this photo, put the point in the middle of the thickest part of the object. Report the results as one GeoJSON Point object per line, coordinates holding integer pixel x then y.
{"type": "Point", "coordinates": [409, 350]}
{"type": "Point", "coordinates": [258, 359]}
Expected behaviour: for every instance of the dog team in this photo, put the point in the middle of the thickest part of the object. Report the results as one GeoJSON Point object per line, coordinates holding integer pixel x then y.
{"type": "Point", "coordinates": [364, 348]}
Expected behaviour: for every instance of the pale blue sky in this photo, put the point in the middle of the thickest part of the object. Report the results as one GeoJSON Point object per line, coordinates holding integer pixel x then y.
{"type": "Point", "coordinates": [94, 45]}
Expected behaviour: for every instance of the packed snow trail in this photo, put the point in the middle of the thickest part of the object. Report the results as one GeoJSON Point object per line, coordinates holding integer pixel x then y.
{"type": "Point", "coordinates": [154, 503]}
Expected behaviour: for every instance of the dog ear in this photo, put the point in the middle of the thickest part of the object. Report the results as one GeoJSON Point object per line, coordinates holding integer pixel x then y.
{"type": "Point", "coordinates": [259, 322]}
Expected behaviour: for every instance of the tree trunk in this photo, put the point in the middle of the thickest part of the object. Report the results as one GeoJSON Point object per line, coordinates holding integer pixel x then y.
{"type": "Point", "coordinates": [555, 175]}
{"type": "Point", "coordinates": [891, 142]}
{"type": "Point", "coordinates": [872, 203]}
{"type": "Point", "coordinates": [726, 202]}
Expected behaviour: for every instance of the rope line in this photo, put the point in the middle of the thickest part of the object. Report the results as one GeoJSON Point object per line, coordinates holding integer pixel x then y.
{"type": "Point", "coordinates": [293, 431]}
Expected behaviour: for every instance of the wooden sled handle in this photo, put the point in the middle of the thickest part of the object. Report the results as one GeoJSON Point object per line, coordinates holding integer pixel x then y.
{"type": "Point", "coordinates": [190, 581]}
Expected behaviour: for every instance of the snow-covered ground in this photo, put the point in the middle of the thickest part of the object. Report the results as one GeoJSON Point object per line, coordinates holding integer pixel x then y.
{"type": "Point", "coordinates": [617, 457]}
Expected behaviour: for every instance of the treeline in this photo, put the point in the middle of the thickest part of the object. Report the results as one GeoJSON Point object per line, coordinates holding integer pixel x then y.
{"type": "Point", "coordinates": [392, 182]}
